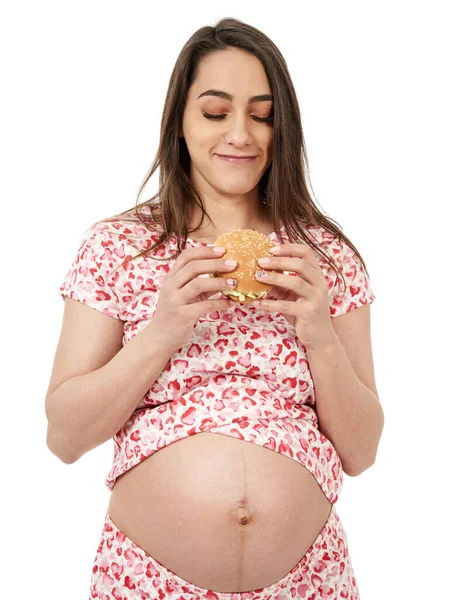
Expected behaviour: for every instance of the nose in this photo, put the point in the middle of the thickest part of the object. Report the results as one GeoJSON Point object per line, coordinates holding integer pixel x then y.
{"type": "Point", "coordinates": [238, 131]}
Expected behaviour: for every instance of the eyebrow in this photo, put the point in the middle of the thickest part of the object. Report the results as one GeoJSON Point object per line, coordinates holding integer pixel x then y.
{"type": "Point", "coordinates": [226, 96]}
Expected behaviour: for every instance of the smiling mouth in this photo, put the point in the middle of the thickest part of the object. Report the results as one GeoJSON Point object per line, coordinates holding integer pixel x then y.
{"type": "Point", "coordinates": [237, 155]}
{"type": "Point", "coordinates": [238, 160]}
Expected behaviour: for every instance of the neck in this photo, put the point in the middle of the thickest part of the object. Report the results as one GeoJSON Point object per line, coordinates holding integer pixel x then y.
{"type": "Point", "coordinates": [226, 218]}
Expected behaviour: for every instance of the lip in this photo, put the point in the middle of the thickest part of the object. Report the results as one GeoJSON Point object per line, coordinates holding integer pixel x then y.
{"type": "Point", "coordinates": [237, 159]}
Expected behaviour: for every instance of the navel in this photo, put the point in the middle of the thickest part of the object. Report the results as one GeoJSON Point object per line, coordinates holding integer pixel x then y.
{"type": "Point", "coordinates": [244, 515]}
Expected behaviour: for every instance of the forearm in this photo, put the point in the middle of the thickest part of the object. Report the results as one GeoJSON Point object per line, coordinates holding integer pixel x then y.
{"type": "Point", "coordinates": [350, 415]}
{"type": "Point", "coordinates": [87, 410]}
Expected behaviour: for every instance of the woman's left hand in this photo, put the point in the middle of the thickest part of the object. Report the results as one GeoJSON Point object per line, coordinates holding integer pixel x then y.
{"type": "Point", "coordinates": [302, 297]}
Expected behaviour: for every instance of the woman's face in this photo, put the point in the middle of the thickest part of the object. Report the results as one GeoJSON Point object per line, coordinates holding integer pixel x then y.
{"type": "Point", "coordinates": [238, 132]}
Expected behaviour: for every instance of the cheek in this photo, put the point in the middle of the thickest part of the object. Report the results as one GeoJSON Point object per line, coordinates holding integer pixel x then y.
{"type": "Point", "coordinates": [201, 135]}
{"type": "Point", "coordinates": [197, 139]}
{"type": "Point", "coordinates": [196, 128]}
{"type": "Point", "coordinates": [268, 145]}
{"type": "Point", "coordinates": [269, 140]}
{"type": "Point", "coordinates": [265, 138]}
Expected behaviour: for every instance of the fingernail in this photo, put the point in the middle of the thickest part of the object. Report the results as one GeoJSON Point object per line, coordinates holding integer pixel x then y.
{"type": "Point", "coordinates": [230, 263]}
{"type": "Point", "coordinates": [232, 282]}
{"type": "Point", "coordinates": [263, 261]}
{"type": "Point", "coordinates": [275, 249]}
{"type": "Point", "coordinates": [261, 274]}
{"type": "Point", "coordinates": [219, 249]}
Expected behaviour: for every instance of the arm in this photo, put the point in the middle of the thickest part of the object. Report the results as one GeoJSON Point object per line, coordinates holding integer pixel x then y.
{"type": "Point", "coordinates": [87, 410]}
{"type": "Point", "coordinates": [350, 414]}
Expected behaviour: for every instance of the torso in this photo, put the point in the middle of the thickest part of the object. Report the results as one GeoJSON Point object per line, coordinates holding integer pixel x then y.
{"type": "Point", "coordinates": [225, 514]}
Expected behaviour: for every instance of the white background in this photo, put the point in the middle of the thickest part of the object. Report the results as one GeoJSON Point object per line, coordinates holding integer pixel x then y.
{"type": "Point", "coordinates": [83, 90]}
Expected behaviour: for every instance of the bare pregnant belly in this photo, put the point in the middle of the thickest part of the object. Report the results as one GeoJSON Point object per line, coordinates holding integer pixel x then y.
{"type": "Point", "coordinates": [222, 513]}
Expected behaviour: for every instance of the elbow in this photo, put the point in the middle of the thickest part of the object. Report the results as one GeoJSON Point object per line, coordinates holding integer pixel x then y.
{"type": "Point", "coordinates": [357, 470]}
{"type": "Point", "coordinates": [63, 457]}
{"type": "Point", "coordinates": [359, 467]}
{"type": "Point", "coordinates": [58, 449]}
{"type": "Point", "coordinates": [66, 460]}
{"type": "Point", "coordinates": [355, 467]}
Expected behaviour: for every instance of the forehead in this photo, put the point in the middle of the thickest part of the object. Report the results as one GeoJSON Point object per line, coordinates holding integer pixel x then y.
{"type": "Point", "coordinates": [234, 71]}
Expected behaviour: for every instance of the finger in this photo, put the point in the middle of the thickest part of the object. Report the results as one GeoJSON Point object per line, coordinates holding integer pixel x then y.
{"type": "Point", "coordinates": [198, 309]}
{"type": "Point", "coordinates": [281, 306]}
{"type": "Point", "coordinates": [303, 251]}
{"type": "Point", "coordinates": [278, 293]}
{"type": "Point", "coordinates": [291, 249]}
{"type": "Point", "coordinates": [302, 268]}
{"type": "Point", "coordinates": [190, 254]}
{"type": "Point", "coordinates": [289, 282]}
{"type": "Point", "coordinates": [201, 267]}
{"type": "Point", "coordinates": [205, 287]}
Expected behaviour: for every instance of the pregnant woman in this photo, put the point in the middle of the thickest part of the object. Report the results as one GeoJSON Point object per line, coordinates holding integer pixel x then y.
{"type": "Point", "coordinates": [232, 423]}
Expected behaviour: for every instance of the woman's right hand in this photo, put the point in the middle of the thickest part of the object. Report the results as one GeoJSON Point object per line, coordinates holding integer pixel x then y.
{"type": "Point", "coordinates": [184, 296]}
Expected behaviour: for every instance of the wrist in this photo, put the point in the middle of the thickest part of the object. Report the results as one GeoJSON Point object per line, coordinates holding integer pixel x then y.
{"type": "Point", "coordinates": [159, 336]}
{"type": "Point", "coordinates": [327, 343]}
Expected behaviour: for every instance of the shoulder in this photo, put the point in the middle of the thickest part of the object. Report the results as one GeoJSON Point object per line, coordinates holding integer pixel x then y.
{"type": "Point", "coordinates": [124, 233]}
{"type": "Point", "coordinates": [322, 242]}
{"type": "Point", "coordinates": [336, 248]}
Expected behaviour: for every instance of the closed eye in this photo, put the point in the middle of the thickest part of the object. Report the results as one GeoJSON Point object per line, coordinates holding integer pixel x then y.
{"type": "Point", "coordinates": [220, 117]}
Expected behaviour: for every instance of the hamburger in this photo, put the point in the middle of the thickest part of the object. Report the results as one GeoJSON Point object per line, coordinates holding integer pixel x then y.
{"type": "Point", "coordinates": [245, 246]}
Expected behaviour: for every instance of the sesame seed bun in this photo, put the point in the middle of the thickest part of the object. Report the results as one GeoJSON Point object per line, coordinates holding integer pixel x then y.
{"type": "Point", "coordinates": [245, 246]}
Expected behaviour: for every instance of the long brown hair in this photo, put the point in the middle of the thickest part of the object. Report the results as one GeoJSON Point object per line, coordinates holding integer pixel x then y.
{"type": "Point", "coordinates": [283, 186]}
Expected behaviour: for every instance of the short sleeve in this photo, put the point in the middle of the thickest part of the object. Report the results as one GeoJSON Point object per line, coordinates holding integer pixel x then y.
{"type": "Point", "coordinates": [357, 291]}
{"type": "Point", "coordinates": [87, 280]}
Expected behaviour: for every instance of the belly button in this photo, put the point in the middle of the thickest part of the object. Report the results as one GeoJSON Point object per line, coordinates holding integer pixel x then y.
{"type": "Point", "coordinates": [244, 516]}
